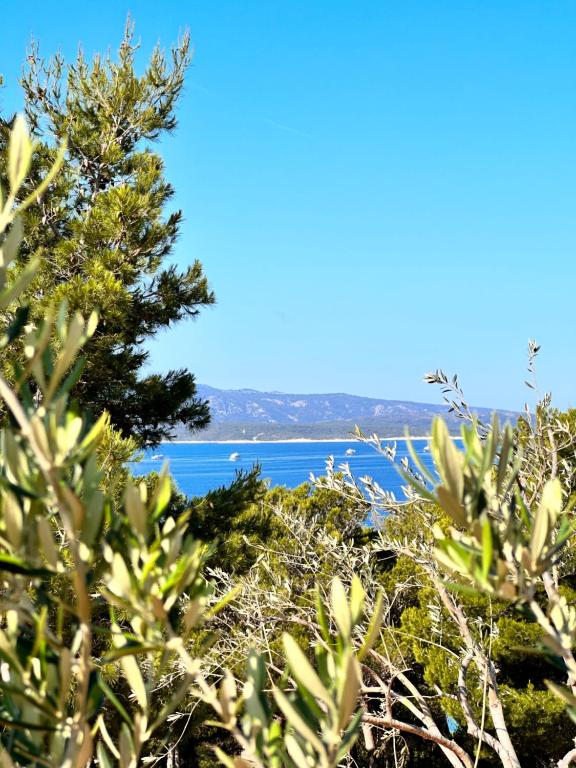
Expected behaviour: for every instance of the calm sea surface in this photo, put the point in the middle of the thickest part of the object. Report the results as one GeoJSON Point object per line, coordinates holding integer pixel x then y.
{"type": "Point", "coordinates": [200, 467]}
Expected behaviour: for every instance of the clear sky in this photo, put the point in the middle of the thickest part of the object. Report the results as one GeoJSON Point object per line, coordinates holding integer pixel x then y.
{"type": "Point", "coordinates": [375, 188]}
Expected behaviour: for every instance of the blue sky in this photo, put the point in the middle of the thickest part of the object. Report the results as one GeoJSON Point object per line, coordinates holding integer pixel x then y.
{"type": "Point", "coordinates": [375, 189]}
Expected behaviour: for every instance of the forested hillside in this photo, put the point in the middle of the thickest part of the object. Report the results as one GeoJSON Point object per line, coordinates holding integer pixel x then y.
{"type": "Point", "coordinates": [246, 414]}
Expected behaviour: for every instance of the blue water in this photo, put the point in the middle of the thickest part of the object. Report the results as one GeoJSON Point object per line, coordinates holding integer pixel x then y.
{"type": "Point", "coordinates": [200, 467]}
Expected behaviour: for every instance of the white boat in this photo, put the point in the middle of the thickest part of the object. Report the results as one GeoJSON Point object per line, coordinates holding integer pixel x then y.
{"type": "Point", "coordinates": [157, 457]}
{"type": "Point", "coordinates": [234, 456]}
{"type": "Point", "coordinates": [350, 451]}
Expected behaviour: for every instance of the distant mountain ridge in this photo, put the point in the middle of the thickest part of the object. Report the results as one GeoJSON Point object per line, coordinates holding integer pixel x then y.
{"type": "Point", "coordinates": [250, 414]}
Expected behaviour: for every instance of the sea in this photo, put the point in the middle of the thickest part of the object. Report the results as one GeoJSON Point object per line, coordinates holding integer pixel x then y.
{"type": "Point", "coordinates": [200, 467]}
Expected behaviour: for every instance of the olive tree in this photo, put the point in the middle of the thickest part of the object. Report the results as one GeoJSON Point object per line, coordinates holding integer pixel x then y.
{"type": "Point", "coordinates": [99, 604]}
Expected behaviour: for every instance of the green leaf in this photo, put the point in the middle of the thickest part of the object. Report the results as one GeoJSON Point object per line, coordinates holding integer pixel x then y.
{"type": "Point", "coordinates": [424, 471]}
{"type": "Point", "coordinates": [255, 705]}
{"type": "Point", "coordinates": [130, 668]}
{"type": "Point", "coordinates": [539, 536]}
{"type": "Point", "coordinates": [447, 458]}
{"type": "Point", "coordinates": [452, 506]}
{"type": "Point", "coordinates": [223, 757]}
{"type": "Point", "coordinates": [46, 181]}
{"type": "Point", "coordinates": [19, 154]}
{"type": "Point", "coordinates": [96, 431]}
{"type": "Point", "coordinates": [464, 589]}
{"type": "Point", "coordinates": [131, 648]}
{"type": "Point", "coordinates": [13, 291]}
{"type": "Point", "coordinates": [135, 509]}
{"type": "Point", "coordinates": [135, 680]}
{"type": "Point", "coordinates": [322, 616]}
{"type": "Point", "coordinates": [20, 319]}
{"type": "Point", "coordinates": [10, 245]}
{"type": "Point", "coordinates": [373, 627]}
{"type": "Point", "coordinates": [458, 553]}
{"type": "Point", "coordinates": [340, 608]}
{"type": "Point", "coordinates": [103, 756]}
{"type": "Point", "coordinates": [487, 547]}
{"type": "Point", "coordinates": [91, 325]}
{"type": "Point", "coordinates": [229, 597]}
{"type": "Point", "coordinates": [236, 762]}
{"type": "Point", "coordinates": [357, 597]}
{"type": "Point", "coordinates": [73, 377]}
{"type": "Point", "coordinates": [113, 699]}
{"type": "Point", "coordinates": [13, 519]}
{"type": "Point", "coordinates": [302, 671]}
{"type": "Point", "coordinates": [162, 493]}
{"type": "Point", "coordinates": [297, 721]}
{"type": "Point", "coordinates": [349, 736]}
{"type": "Point", "coordinates": [120, 582]}
{"type": "Point", "coordinates": [295, 751]}
{"type": "Point", "coordinates": [551, 499]}
{"type": "Point", "coordinates": [350, 691]}
{"type": "Point", "coordinates": [14, 564]}
{"type": "Point", "coordinates": [127, 749]}
{"type": "Point", "coordinates": [562, 692]}
{"type": "Point", "coordinates": [504, 459]}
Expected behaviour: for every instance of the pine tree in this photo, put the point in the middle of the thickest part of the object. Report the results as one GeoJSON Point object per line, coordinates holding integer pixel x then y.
{"type": "Point", "coordinates": [101, 231]}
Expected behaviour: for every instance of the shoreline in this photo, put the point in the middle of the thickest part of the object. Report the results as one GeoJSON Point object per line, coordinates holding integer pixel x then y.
{"type": "Point", "coordinates": [290, 440]}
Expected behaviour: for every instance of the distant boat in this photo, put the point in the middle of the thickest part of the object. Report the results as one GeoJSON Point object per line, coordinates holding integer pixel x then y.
{"type": "Point", "coordinates": [234, 456]}
{"type": "Point", "coordinates": [157, 457]}
{"type": "Point", "coordinates": [350, 451]}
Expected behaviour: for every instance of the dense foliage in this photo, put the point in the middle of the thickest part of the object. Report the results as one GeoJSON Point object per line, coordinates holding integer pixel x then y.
{"type": "Point", "coordinates": [273, 629]}
{"type": "Point", "coordinates": [102, 604]}
{"type": "Point", "coordinates": [99, 230]}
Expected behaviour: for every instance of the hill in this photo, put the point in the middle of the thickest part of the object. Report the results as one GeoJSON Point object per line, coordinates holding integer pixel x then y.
{"type": "Point", "coordinates": [246, 414]}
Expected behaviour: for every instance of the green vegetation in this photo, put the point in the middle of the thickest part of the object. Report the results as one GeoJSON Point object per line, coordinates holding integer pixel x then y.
{"type": "Point", "coordinates": [101, 603]}
{"type": "Point", "coordinates": [271, 629]}
{"type": "Point", "coordinates": [325, 430]}
{"type": "Point", "coordinates": [99, 231]}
